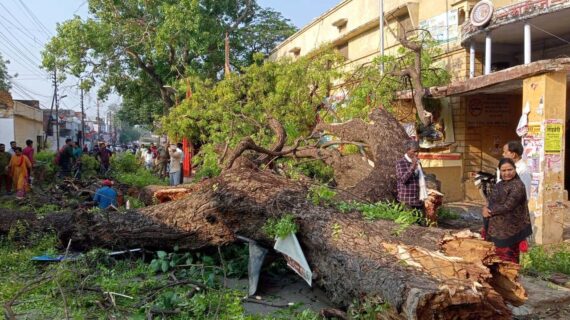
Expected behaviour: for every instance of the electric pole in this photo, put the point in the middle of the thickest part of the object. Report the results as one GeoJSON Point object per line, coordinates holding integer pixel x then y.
{"type": "Point", "coordinates": [98, 121]}
{"type": "Point", "coordinates": [82, 142]}
{"type": "Point", "coordinates": [56, 109]}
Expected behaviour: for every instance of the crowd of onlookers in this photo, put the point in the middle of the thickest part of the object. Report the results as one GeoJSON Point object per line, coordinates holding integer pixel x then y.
{"type": "Point", "coordinates": [165, 161]}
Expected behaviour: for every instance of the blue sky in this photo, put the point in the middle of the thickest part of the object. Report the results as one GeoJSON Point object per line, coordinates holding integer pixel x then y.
{"type": "Point", "coordinates": [26, 25]}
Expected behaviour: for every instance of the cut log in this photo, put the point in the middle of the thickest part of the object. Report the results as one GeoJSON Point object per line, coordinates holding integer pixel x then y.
{"type": "Point", "coordinates": [350, 257]}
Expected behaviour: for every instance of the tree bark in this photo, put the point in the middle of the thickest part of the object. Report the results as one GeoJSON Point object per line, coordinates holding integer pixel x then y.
{"type": "Point", "coordinates": [351, 257]}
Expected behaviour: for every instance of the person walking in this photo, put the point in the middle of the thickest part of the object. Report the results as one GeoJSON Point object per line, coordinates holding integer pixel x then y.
{"type": "Point", "coordinates": [19, 169]}
{"type": "Point", "coordinates": [412, 189]}
{"type": "Point", "coordinates": [507, 213]}
{"type": "Point", "coordinates": [175, 165]}
{"type": "Point", "coordinates": [5, 178]}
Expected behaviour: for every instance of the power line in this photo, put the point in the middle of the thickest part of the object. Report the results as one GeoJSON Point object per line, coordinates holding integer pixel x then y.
{"type": "Point", "coordinates": [14, 17]}
{"type": "Point", "coordinates": [35, 19]}
{"type": "Point", "coordinates": [27, 34]}
{"type": "Point", "coordinates": [21, 86]}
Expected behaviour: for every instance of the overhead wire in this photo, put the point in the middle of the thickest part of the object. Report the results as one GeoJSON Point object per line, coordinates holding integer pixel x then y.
{"type": "Point", "coordinates": [35, 19]}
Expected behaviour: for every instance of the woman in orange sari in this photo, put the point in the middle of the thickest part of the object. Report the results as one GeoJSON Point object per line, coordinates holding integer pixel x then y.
{"type": "Point", "coordinates": [19, 169]}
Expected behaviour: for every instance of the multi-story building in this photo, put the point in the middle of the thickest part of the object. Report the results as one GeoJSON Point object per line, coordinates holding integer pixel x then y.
{"type": "Point", "coordinates": [505, 57]}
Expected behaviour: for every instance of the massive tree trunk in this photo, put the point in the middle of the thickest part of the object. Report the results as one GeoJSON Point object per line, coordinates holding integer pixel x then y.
{"type": "Point", "coordinates": [351, 257]}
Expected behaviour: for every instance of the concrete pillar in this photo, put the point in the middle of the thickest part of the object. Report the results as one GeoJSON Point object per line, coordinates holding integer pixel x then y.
{"type": "Point", "coordinates": [488, 53]}
{"type": "Point", "coordinates": [527, 43]}
{"type": "Point", "coordinates": [472, 59]}
{"type": "Point", "coordinates": [546, 96]}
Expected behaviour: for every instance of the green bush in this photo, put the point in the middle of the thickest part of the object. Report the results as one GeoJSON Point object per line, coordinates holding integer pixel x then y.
{"type": "Point", "coordinates": [317, 170]}
{"type": "Point", "coordinates": [45, 166]}
{"type": "Point", "coordinates": [139, 178]}
{"type": "Point", "coordinates": [89, 166]}
{"type": "Point", "coordinates": [207, 159]}
{"type": "Point", "coordinates": [125, 162]}
{"type": "Point", "coordinates": [541, 260]}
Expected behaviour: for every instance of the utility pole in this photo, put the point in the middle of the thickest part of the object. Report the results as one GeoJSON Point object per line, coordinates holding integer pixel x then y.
{"type": "Point", "coordinates": [56, 109]}
{"type": "Point", "coordinates": [98, 121]}
{"type": "Point", "coordinates": [381, 29]}
{"type": "Point", "coordinates": [82, 142]}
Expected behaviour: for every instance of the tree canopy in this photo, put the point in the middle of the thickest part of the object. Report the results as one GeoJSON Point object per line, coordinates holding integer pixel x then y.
{"type": "Point", "coordinates": [139, 48]}
{"type": "Point", "coordinates": [4, 76]}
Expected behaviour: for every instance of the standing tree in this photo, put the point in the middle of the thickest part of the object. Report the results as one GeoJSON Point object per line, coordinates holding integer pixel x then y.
{"type": "Point", "coordinates": [138, 48]}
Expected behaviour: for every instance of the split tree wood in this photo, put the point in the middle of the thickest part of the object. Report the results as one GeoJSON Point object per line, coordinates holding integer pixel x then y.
{"type": "Point", "coordinates": [351, 257]}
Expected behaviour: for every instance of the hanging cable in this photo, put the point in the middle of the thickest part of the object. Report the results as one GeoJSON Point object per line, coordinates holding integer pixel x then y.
{"type": "Point", "coordinates": [551, 34]}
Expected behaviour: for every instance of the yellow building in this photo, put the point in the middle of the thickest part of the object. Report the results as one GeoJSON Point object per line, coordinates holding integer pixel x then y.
{"type": "Point", "coordinates": [479, 122]}
{"type": "Point", "coordinates": [20, 120]}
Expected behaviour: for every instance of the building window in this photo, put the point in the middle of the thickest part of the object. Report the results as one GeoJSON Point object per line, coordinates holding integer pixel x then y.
{"type": "Point", "coordinates": [343, 50]}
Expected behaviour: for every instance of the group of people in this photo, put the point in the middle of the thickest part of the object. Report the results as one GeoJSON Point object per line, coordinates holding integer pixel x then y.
{"type": "Point", "coordinates": [506, 216]}
{"type": "Point", "coordinates": [68, 158]}
{"type": "Point", "coordinates": [165, 160]}
{"type": "Point", "coordinates": [16, 167]}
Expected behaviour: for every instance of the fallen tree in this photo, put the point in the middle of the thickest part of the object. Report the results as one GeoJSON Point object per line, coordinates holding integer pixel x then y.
{"type": "Point", "coordinates": [351, 257]}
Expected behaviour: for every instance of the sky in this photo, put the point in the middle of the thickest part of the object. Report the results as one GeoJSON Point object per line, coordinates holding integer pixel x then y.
{"type": "Point", "coordinates": [27, 25]}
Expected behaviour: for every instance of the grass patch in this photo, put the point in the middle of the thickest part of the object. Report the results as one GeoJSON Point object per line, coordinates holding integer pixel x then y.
{"type": "Point", "coordinates": [393, 211]}
{"type": "Point", "coordinates": [544, 260]}
{"type": "Point", "coordinates": [444, 213]}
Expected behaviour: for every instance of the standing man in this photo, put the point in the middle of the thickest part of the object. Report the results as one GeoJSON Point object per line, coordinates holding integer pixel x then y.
{"type": "Point", "coordinates": [13, 147]}
{"type": "Point", "coordinates": [163, 158]}
{"type": "Point", "coordinates": [5, 179]}
{"type": "Point", "coordinates": [175, 165]}
{"type": "Point", "coordinates": [29, 150]}
{"type": "Point", "coordinates": [104, 157]}
{"type": "Point", "coordinates": [412, 189]}
{"type": "Point", "coordinates": [514, 150]}
{"type": "Point", "coordinates": [179, 148]}
{"type": "Point", "coordinates": [66, 158]}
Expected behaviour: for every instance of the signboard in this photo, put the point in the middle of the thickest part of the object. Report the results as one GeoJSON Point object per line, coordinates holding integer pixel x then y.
{"type": "Point", "coordinates": [489, 111]}
{"type": "Point", "coordinates": [444, 27]}
{"type": "Point", "coordinates": [482, 13]}
{"type": "Point", "coordinates": [294, 256]}
{"type": "Point", "coordinates": [553, 136]}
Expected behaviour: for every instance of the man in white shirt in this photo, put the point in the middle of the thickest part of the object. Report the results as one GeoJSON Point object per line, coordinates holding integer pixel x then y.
{"type": "Point", "coordinates": [514, 150]}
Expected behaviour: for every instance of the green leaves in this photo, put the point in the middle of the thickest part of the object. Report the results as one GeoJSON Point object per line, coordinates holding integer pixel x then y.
{"type": "Point", "coordinates": [280, 228]}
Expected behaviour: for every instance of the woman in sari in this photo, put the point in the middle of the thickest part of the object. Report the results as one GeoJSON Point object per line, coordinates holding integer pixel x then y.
{"type": "Point", "coordinates": [19, 168]}
{"type": "Point", "coordinates": [507, 213]}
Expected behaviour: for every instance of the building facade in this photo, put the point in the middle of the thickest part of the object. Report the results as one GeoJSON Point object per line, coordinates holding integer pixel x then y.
{"type": "Point", "coordinates": [481, 122]}
{"type": "Point", "coordinates": [20, 120]}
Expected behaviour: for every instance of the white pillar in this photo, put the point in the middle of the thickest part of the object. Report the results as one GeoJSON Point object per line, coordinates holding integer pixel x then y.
{"type": "Point", "coordinates": [527, 43]}
{"type": "Point", "coordinates": [381, 29]}
{"type": "Point", "coordinates": [472, 59]}
{"type": "Point", "coordinates": [488, 53]}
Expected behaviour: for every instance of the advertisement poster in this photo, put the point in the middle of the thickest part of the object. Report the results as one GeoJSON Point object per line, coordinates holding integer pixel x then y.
{"type": "Point", "coordinates": [532, 154]}
{"type": "Point", "coordinates": [553, 136]}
